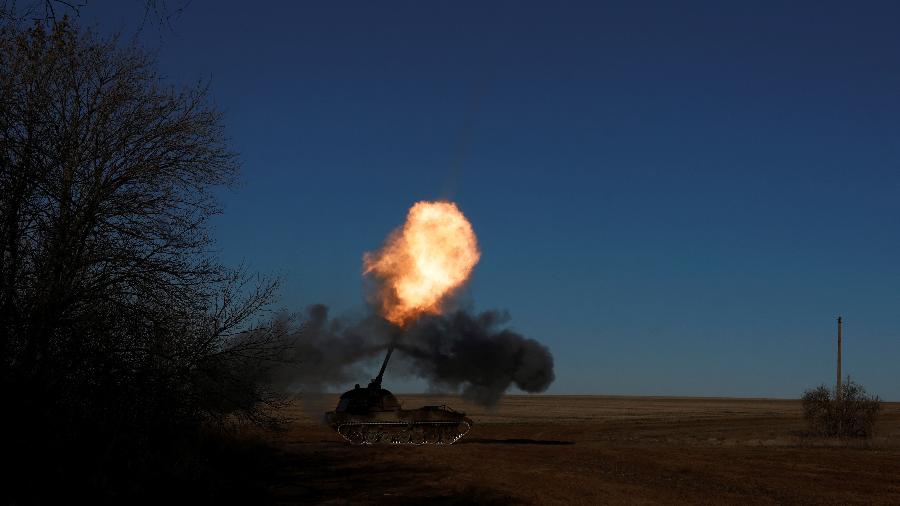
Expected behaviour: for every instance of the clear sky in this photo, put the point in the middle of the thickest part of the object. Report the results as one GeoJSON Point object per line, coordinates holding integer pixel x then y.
{"type": "Point", "coordinates": [676, 197]}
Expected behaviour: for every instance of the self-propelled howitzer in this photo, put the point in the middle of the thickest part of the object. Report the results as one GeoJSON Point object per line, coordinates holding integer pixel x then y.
{"type": "Point", "coordinates": [372, 415]}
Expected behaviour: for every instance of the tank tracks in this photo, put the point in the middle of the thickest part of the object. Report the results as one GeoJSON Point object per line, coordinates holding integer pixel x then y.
{"type": "Point", "coordinates": [400, 433]}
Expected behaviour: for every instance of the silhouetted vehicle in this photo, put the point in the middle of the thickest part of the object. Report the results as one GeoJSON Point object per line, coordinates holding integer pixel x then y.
{"type": "Point", "coordinates": [372, 415]}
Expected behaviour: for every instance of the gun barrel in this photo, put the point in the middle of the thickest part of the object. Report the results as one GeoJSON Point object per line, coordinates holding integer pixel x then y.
{"type": "Point", "coordinates": [377, 380]}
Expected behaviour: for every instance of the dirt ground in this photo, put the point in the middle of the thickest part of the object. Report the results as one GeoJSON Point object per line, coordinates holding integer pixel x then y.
{"type": "Point", "coordinates": [596, 450]}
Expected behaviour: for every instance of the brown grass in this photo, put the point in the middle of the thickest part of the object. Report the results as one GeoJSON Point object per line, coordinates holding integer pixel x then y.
{"type": "Point", "coordinates": [600, 450]}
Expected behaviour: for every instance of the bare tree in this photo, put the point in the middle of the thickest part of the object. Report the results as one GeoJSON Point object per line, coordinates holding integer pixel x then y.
{"type": "Point", "coordinates": [13, 11]}
{"type": "Point", "coordinates": [116, 319]}
{"type": "Point", "coordinates": [161, 12]}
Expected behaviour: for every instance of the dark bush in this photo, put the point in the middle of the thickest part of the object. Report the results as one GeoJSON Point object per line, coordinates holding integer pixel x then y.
{"type": "Point", "coordinates": [853, 414]}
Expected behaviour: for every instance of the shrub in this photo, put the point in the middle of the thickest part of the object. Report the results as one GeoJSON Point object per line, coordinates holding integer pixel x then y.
{"type": "Point", "coordinates": [853, 414]}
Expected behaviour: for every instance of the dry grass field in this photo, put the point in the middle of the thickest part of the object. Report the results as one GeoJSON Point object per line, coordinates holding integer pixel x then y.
{"type": "Point", "coordinates": [596, 450]}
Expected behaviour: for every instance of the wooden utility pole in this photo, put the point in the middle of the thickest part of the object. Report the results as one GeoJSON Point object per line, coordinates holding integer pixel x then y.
{"type": "Point", "coordinates": [837, 392]}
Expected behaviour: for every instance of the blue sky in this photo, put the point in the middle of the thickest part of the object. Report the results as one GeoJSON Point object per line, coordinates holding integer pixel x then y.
{"type": "Point", "coordinates": [676, 199]}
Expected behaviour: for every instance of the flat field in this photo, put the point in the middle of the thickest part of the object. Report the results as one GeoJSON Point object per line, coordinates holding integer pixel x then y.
{"type": "Point", "coordinates": [596, 450]}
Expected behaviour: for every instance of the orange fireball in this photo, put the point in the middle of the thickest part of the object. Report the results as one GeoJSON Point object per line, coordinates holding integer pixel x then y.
{"type": "Point", "coordinates": [423, 262]}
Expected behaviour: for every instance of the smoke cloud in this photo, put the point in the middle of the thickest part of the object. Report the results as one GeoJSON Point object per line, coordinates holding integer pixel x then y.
{"type": "Point", "coordinates": [475, 355]}
{"type": "Point", "coordinates": [323, 351]}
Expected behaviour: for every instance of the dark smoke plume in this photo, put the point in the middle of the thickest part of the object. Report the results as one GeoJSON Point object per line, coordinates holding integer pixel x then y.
{"type": "Point", "coordinates": [325, 352]}
{"type": "Point", "coordinates": [470, 354]}
{"type": "Point", "coordinates": [474, 355]}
